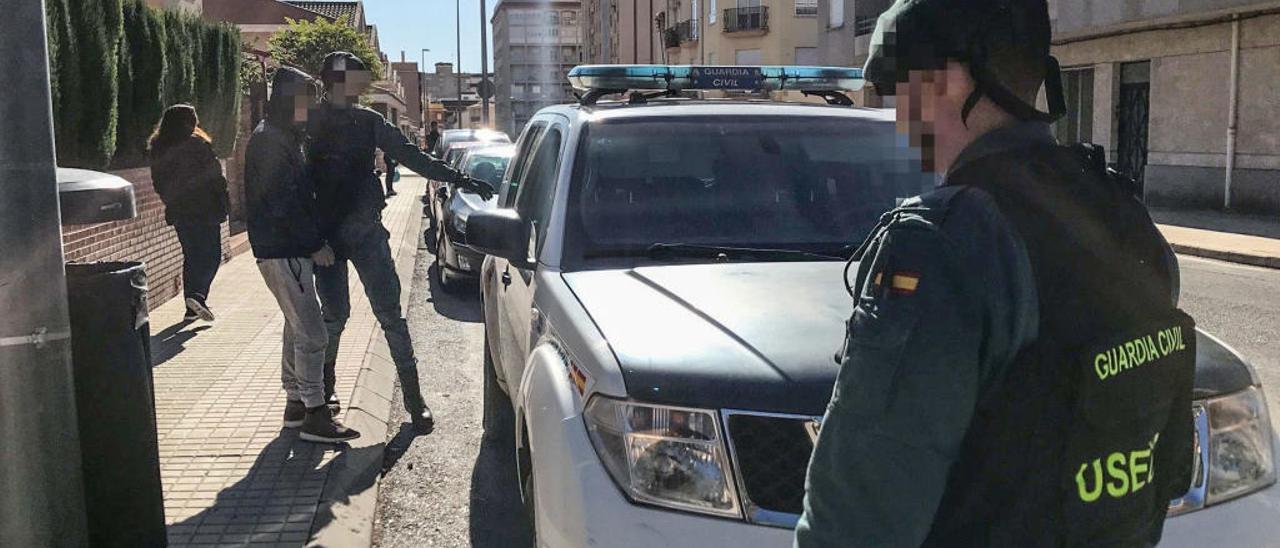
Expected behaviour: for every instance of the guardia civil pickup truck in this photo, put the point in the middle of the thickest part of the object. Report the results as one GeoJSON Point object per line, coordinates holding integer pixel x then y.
{"type": "Point", "coordinates": [663, 297]}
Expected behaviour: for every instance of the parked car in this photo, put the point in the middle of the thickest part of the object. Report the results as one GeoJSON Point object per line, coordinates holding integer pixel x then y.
{"type": "Point", "coordinates": [448, 139]}
{"type": "Point", "coordinates": [662, 300]}
{"type": "Point", "coordinates": [454, 259]}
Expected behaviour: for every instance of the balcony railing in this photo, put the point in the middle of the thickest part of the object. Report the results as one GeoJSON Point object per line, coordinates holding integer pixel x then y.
{"type": "Point", "coordinates": [746, 19]}
{"type": "Point", "coordinates": [670, 38]}
{"type": "Point", "coordinates": [686, 31]}
{"type": "Point", "coordinates": [864, 24]}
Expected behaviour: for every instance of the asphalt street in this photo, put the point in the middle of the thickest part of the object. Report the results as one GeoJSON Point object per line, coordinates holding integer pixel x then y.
{"type": "Point", "coordinates": [1239, 304]}
{"type": "Point", "coordinates": [453, 487]}
{"type": "Point", "coordinates": [456, 487]}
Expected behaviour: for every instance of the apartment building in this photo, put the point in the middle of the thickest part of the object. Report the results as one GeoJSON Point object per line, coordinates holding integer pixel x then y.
{"type": "Point", "coordinates": [535, 43]}
{"type": "Point", "coordinates": [623, 31]}
{"type": "Point", "coordinates": [1181, 93]}
{"type": "Point", "coordinates": [741, 32]}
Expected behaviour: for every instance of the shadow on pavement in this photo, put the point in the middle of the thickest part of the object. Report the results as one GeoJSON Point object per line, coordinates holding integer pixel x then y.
{"type": "Point", "coordinates": [398, 446]}
{"type": "Point", "coordinates": [271, 502]}
{"type": "Point", "coordinates": [172, 341]}
{"type": "Point", "coordinates": [497, 513]}
{"type": "Point", "coordinates": [463, 306]}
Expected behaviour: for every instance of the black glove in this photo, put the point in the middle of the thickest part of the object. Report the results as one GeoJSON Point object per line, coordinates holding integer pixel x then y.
{"type": "Point", "coordinates": [483, 188]}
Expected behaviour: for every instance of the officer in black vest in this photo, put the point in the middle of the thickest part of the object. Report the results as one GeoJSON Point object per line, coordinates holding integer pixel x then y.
{"type": "Point", "coordinates": [1016, 371]}
{"type": "Point", "coordinates": [342, 137]}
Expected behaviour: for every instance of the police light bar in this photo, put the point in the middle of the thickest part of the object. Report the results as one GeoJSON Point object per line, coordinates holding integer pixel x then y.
{"type": "Point", "coordinates": [739, 78]}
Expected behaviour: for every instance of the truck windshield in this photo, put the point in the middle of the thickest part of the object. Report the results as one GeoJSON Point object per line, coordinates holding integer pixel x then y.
{"type": "Point", "coordinates": [730, 185]}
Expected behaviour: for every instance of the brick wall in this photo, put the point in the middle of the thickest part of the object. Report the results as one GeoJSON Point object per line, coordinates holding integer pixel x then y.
{"type": "Point", "coordinates": [146, 238]}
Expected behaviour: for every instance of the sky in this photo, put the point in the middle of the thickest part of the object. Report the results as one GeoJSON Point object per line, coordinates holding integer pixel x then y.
{"type": "Point", "coordinates": [412, 25]}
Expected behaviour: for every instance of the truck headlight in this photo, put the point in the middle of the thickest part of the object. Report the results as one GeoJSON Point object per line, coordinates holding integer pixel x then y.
{"type": "Point", "coordinates": [667, 456]}
{"type": "Point", "coordinates": [1240, 451]}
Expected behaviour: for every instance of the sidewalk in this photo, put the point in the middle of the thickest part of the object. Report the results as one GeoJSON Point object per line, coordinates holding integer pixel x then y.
{"type": "Point", "coordinates": [232, 476]}
{"type": "Point", "coordinates": [1246, 239]}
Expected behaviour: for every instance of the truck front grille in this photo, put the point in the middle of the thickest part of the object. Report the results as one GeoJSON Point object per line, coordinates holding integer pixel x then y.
{"type": "Point", "coordinates": [771, 456]}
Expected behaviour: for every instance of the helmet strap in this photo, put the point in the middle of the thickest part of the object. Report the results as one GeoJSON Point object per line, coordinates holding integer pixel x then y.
{"type": "Point", "coordinates": [985, 84]}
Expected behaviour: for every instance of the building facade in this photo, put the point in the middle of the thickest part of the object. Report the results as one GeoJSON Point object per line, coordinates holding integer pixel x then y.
{"type": "Point", "coordinates": [415, 93]}
{"type": "Point", "coordinates": [1181, 93]}
{"type": "Point", "coordinates": [623, 31]}
{"type": "Point", "coordinates": [741, 32]}
{"type": "Point", "coordinates": [534, 46]}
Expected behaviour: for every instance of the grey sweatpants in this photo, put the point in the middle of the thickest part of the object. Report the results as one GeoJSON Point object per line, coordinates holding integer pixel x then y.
{"type": "Point", "coordinates": [293, 283]}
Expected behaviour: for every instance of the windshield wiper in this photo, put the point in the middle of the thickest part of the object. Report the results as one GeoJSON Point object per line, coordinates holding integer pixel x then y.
{"type": "Point", "coordinates": [728, 252]}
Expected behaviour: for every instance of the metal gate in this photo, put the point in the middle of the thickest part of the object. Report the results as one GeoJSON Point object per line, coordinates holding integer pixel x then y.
{"type": "Point", "coordinates": [1133, 113]}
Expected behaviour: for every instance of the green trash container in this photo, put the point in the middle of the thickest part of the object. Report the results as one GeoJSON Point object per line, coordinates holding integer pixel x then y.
{"type": "Point", "coordinates": [115, 404]}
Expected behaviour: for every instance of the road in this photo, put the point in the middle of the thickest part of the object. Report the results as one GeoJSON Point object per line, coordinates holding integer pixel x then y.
{"type": "Point", "coordinates": [1241, 305]}
{"type": "Point", "coordinates": [455, 488]}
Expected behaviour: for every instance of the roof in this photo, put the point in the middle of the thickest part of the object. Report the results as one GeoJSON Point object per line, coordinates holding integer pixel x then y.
{"type": "Point", "coordinates": [256, 12]}
{"type": "Point", "coordinates": [715, 107]}
{"type": "Point", "coordinates": [331, 9]}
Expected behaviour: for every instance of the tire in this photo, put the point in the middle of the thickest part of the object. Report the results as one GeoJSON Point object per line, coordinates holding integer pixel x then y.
{"type": "Point", "coordinates": [447, 282]}
{"type": "Point", "coordinates": [499, 418]}
{"type": "Point", "coordinates": [528, 488]}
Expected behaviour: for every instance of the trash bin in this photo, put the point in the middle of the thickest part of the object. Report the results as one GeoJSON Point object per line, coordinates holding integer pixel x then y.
{"type": "Point", "coordinates": [115, 403]}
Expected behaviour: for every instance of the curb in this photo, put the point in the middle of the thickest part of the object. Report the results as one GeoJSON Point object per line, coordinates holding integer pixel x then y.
{"type": "Point", "coordinates": [350, 493]}
{"type": "Point", "coordinates": [1229, 256]}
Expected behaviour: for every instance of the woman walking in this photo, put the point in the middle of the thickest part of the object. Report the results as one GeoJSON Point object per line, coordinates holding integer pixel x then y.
{"type": "Point", "coordinates": [189, 180]}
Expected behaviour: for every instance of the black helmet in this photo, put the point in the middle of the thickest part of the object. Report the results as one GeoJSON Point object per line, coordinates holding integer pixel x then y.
{"type": "Point", "coordinates": [341, 61]}
{"type": "Point", "coordinates": [1004, 42]}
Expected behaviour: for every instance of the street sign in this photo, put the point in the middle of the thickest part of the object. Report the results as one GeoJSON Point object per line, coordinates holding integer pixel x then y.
{"type": "Point", "coordinates": [485, 89]}
{"type": "Point", "coordinates": [727, 77]}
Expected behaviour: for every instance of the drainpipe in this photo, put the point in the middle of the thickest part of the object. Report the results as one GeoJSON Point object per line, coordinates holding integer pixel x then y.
{"type": "Point", "coordinates": [1233, 107]}
{"type": "Point", "coordinates": [41, 493]}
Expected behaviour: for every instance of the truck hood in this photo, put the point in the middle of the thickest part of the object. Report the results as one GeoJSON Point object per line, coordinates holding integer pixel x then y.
{"type": "Point", "coordinates": [759, 336]}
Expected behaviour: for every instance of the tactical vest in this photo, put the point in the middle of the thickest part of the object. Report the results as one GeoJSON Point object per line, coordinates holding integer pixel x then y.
{"type": "Point", "coordinates": [341, 146]}
{"type": "Point", "coordinates": [1087, 435]}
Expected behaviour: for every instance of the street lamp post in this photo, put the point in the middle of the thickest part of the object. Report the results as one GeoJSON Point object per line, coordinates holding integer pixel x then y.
{"type": "Point", "coordinates": [458, 69]}
{"type": "Point", "coordinates": [42, 498]}
{"type": "Point", "coordinates": [484, 66]}
{"type": "Point", "coordinates": [424, 97]}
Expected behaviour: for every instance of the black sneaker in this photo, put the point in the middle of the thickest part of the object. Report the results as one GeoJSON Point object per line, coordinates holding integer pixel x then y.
{"type": "Point", "coordinates": [335, 406]}
{"type": "Point", "coordinates": [202, 311]}
{"type": "Point", "coordinates": [190, 316]}
{"type": "Point", "coordinates": [295, 412]}
{"type": "Point", "coordinates": [320, 427]}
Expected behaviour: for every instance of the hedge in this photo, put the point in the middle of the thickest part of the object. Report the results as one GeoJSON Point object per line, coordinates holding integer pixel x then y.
{"type": "Point", "coordinates": [115, 66]}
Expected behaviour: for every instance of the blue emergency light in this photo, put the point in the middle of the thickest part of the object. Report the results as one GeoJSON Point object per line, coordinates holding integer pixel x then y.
{"type": "Point", "coordinates": [726, 78]}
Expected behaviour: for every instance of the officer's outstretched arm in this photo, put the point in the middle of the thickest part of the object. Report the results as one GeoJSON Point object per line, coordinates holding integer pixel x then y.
{"type": "Point", "coordinates": [924, 334]}
{"type": "Point", "coordinates": [397, 147]}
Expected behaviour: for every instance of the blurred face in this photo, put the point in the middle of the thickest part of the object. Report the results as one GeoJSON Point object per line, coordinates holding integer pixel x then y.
{"type": "Point", "coordinates": [928, 112]}
{"type": "Point", "coordinates": [346, 86]}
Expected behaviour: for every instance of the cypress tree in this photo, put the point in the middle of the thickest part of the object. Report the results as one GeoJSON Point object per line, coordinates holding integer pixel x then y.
{"type": "Point", "coordinates": [97, 27]}
{"type": "Point", "coordinates": [180, 61]}
{"type": "Point", "coordinates": [64, 78]}
{"type": "Point", "coordinates": [141, 81]}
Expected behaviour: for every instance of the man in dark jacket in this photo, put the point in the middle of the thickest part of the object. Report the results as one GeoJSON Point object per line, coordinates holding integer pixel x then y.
{"type": "Point", "coordinates": [342, 139]}
{"type": "Point", "coordinates": [975, 405]}
{"type": "Point", "coordinates": [433, 136]}
{"type": "Point", "coordinates": [284, 231]}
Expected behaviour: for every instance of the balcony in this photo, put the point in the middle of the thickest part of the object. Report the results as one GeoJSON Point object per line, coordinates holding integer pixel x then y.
{"type": "Point", "coordinates": [864, 24]}
{"type": "Point", "coordinates": [755, 18]}
{"type": "Point", "coordinates": [686, 31]}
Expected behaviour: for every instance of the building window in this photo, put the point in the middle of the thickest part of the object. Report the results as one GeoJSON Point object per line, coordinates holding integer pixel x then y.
{"type": "Point", "coordinates": [1077, 125]}
{"type": "Point", "coordinates": [711, 12]}
{"type": "Point", "coordinates": [806, 56]}
{"type": "Point", "coordinates": [807, 8]}
{"type": "Point", "coordinates": [836, 14]}
{"type": "Point", "coordinates": [748, 57]}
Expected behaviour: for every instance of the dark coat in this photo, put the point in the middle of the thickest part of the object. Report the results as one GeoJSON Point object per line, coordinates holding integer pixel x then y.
{"type": "Point", "coordinates": [280, 197]}
{"type": "Point", "coordinates": [189, 180]}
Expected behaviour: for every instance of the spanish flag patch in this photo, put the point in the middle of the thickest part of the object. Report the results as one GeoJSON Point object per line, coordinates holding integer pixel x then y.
{"type": "Point", "coordinates": [900, 283]}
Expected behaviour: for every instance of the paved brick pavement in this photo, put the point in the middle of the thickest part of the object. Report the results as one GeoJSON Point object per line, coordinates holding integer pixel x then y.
{"type": "Point", "coordinates": [232, 476]}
